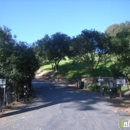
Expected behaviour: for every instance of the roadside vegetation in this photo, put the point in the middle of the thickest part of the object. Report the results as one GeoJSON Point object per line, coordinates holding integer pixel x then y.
{"type": "Point", "coordinates": [89, 54]}
{"type": "Point", "coordinates": [18, 64]}
{"type": "Point", "coordinates": [69, 69]}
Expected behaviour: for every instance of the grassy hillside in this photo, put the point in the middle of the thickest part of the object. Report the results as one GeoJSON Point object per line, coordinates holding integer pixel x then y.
{"type": "Point", "coordinates": [68, 69]}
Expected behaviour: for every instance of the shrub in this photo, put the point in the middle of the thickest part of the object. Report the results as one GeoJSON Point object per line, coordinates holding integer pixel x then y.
{"type": "Point", "coordinates": [95, 87]}
{"type": "Point", "coordinates": [106, 89]}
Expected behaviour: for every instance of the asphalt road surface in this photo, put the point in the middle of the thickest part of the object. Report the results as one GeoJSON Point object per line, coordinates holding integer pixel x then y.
{"type": "Point", "coordinates": [57, 107]}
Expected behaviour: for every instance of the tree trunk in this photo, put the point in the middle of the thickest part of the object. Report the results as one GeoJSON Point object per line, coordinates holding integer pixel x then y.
{"type": "Point", "coordinates": [56, 65]}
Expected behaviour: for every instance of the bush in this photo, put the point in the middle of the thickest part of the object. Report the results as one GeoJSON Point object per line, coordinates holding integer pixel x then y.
{"type": "Point", "coordinates": [95, 87]}
{"type": "Point", "coordinates": [106, 89]}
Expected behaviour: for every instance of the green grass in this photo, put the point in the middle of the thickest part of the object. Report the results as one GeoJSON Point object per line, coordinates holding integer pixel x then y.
{"type": "Point", "coordinates": [68, 69]}
{"type": "Point", "coordinates": [124, 88]}
{"type": "Point", "coordinates": [46, 66]}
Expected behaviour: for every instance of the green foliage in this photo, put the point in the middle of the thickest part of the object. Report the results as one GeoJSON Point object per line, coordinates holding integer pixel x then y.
{"type": "Point", "coordinates": [126, 71]}
{"type": "Point", "coordinates": [17, 59]}
{"type": "Point", "coordinates": [94, 87]}
{"type": "Point", "coordinates": [120, 46]}
{"type": "Point", "coordinates": [69, 69]}
{"type": "Point", "coordinates": [114, 29]}
{"type": "Point", "coordinates": [90, 48]}
{"type": "Point", "coordinates": [106, 89]}
{"type": "Point", "coordinates": [115, 70]}
{"type": "Point", "coordinates": [53, 48]}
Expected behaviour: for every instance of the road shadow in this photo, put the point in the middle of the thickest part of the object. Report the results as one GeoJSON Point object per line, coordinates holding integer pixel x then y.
{"type": "Point", "coordinates": [49, 94]}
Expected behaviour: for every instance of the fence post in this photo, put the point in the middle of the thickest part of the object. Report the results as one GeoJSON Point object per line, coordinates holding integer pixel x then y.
{"type": "Point", "coordinates": [1, 105]}
{"type": "Point", "coordinates": [25, 93]}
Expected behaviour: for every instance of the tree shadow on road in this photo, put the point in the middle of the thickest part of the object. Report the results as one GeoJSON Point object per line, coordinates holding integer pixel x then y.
{"type": "Point", "coordinates": [48, 94]}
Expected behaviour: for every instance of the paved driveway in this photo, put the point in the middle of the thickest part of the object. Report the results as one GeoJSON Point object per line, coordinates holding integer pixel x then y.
{"type": "Point", "coordinates": [57, 107]}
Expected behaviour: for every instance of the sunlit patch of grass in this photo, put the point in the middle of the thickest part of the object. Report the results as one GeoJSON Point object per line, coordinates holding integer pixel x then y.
{"type": "Point", "coordinates": [69, 69]}
{"type": "Point", "coordinates": [44, 67]}
{"type": "Point", "coordinates": [73, 70]}
{"type": "Point", "coordinates": [125, 88]}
